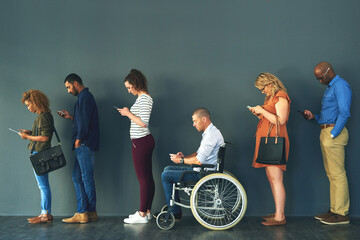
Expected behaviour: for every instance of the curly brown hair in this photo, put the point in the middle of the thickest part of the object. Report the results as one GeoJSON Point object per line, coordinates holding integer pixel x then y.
{"type": "Point", "coordinates": [38, 98]}
{"type": "Point", "coordinates": [137, 79]}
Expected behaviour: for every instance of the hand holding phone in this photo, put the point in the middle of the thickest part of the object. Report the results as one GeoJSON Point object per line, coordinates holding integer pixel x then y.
{"type": "Point", "coordinates": [61, 113]}
{"type": "Point", "coordinates": [307, 117]}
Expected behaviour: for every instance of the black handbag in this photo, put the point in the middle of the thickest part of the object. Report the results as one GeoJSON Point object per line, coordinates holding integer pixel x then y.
{"type": "Point", "coordinates": [272, 149]}
{"type": "Point", "coordinates": [49, 159]}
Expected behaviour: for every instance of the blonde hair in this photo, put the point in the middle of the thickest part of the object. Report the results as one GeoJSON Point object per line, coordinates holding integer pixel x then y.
{"type": "Point", "coordinates": [265, 79]}
{"type": "Point", "coordinates": [38, 98]}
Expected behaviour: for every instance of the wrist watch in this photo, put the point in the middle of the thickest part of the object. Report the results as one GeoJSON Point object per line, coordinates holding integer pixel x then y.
{"type": "Point", "coordinates": [182, 160]}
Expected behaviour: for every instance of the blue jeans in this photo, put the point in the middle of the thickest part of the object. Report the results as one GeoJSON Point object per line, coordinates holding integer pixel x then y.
{"type": "Point", "coordinates": [83, 178]}
{"type": "Point", "coordinates": [172, 174]}
{"type": "Point", "coordinates": [45, 192]}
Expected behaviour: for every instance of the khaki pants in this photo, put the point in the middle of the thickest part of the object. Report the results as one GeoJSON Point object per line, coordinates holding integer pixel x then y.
{"type": "Point", "coordinates": [333, 152]}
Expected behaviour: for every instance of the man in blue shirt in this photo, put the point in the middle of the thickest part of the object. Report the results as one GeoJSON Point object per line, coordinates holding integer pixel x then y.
{"type": "Point", "coordinates": [335, 110]}
{"type": "Point", "coordinates": [85, 141]}
{"type": "Point", "coordinates": [206, 154]}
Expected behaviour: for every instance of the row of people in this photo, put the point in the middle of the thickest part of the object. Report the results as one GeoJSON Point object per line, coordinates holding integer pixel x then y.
{"type": "Point", "coordinates": [85, 140]}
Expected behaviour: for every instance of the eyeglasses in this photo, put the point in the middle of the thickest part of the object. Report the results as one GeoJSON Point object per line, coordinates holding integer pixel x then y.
{"type": "Point", "coordinates": [322, 78]}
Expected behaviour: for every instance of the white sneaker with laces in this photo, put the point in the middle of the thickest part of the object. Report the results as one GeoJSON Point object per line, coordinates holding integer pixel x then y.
{"type": "Point", "coordinates": [136, 218]}
{"type": "Point", "coordinates": [149, 215]}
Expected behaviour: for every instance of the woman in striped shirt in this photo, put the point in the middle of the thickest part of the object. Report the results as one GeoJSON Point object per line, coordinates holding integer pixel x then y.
{"type": "Point", "coordinates": [142, 142]}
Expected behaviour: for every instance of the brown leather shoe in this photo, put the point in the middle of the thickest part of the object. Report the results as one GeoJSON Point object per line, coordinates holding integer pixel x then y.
{"type": "Point", "coordinates": [93, 217]}
{"type": "Point", "coordinates": [324, 215]}
{"type": "Point", "coordinates": [273, 222]}
{"type": "Point", "coordinates": [336, 219]}
{"type": "Point", "coordinates": [42, 218]}
{"type": "Point", "coordinates": [77, 218]}
{"type": "Point", "coordinates": [268, 216]}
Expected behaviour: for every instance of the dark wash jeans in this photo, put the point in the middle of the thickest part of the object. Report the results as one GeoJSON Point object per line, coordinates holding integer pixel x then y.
{"type": "Point", "coordinates": [83, 178]}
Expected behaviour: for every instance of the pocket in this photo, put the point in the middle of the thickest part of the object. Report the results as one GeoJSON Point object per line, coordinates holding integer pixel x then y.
{"type": "Point", "coordinates": [78, 149]}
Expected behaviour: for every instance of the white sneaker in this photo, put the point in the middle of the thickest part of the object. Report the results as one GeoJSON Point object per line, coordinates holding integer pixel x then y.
{"type": "Point", "coordinates": [136, 218]}
{"type": "Point", "coordinates": [149, 215]}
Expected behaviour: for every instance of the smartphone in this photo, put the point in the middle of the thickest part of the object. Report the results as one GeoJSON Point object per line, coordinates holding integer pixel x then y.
{"type": "Point", "coordinates": [61, 113]}
{"type": "Point", "coordinates": [13, 130]}
{"type": "Point", "coordinates": [116, 107]}
{"type": "Point", "coordinates": [303, 114]}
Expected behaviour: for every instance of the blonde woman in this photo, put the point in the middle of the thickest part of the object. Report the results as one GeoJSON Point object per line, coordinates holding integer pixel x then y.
{"type": "Point", "coordinates": [38, 103]}
{"type": "Point", "coordinates": [276, 105]}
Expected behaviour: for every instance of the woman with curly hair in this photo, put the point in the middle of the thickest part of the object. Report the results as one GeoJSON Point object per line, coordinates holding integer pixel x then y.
{"type": "Point", "coordinates": [276, 108]}
{"type": "Point", "coordinates": [40, 136]}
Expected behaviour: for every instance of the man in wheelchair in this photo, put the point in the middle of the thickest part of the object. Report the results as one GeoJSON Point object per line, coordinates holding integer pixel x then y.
{"type": "Point", "coordinates": [206, 154]}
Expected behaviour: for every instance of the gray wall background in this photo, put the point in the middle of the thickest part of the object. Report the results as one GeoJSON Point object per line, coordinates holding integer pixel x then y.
{"type": "Point", "coordinates": [194, 53]}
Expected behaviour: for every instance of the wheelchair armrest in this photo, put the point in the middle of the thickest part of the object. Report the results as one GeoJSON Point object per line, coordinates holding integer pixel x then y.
{"type": "Point", "coordinates": [202, 166]}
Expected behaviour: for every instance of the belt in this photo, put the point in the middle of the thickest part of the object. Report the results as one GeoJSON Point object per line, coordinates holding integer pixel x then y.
{"type": "Point", "coordinates": [326, 126]}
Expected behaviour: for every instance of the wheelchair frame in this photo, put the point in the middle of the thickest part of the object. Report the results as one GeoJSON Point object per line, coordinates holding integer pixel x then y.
{"type": "Point", "coordinates": [217, 211]}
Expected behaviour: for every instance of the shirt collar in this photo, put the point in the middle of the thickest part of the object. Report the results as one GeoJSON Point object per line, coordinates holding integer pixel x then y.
{"type": "Point", "coordinates": [336, 78]}
{"type": "Point", "coordinates": [83, 91]}
{"type": "Point", "coordinates": [207, 130]}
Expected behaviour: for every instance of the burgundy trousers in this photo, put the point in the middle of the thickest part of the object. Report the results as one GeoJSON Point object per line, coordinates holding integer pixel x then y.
{"type": "Point", "coordinates": [142, 149]}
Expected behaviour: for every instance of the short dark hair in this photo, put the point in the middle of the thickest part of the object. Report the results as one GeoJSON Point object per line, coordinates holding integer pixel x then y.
{"type": "Point", "coordinates": [202, 112]}
{"type": "Point", "coordinates": [137, 79]}
{"type": "Point", "coordinates": [73, 77]}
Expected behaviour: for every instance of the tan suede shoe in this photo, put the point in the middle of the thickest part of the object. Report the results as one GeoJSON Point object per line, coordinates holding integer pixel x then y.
{"type": "Point", "coordinates": [269, 216]}
{"type": "Point", "coordinates": [77, 218]}
{"type": "Point", "coordinates": [42, 218]}
{"type": "Point", "coordinates": [273, 222]}
{"type": "Point", "coordinates": [93, 217]}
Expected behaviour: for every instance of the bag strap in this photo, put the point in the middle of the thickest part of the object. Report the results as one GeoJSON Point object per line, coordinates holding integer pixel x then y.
{"type": "Point", "coordinates": [277, 129]}
{"type": "Point", "coordinates": [36, 134]}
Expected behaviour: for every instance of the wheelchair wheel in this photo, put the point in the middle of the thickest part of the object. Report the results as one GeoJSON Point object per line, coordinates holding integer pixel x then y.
{"type": "Point", "coordinates": [163, 223]}
{"type": "Point", "coordinates": [228, 173]}
{"type": "Point", "coordinates": [164, 208]}
{"type": "Point", "coordinates": [218, 201]}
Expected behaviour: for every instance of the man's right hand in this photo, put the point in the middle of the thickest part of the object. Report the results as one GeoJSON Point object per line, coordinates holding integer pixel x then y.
{"type": "Point", "coordinates": [308, 115]}
{"type": "Point", "coordinates": [65, 114]}
{"type": "Point", "coordinates": [180, 154]}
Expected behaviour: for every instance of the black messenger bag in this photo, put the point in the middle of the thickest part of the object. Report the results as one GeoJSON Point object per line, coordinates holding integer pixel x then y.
{"type": "Point", "coordinates": [49, 159]}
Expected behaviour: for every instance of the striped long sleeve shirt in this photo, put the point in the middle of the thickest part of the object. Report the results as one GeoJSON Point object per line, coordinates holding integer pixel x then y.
{"type": "Point", "coordinates": [141, 108]}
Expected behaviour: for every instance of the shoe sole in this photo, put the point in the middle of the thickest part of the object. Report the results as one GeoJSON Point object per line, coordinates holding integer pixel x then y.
{"type": "Point", "coordinates": [318, 218]}
{"type": "Point", "coordinates": [40, 222]}
{"type": "Point", "coordinates": [135, 222]}
{"type": "Point", "coordinates": [337, 223]}
{"type": "Point", "coordinates": [148, 216]}
{"type": "Point", "coordinates": [82, 222]}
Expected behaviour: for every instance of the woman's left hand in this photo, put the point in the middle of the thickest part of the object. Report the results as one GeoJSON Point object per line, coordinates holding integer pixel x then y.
{"type": "Point", "coordinates": [124, 111]}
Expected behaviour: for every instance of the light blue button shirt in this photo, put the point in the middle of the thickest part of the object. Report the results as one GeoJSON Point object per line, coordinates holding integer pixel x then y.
{"type": "Point", "coordinates": [211, 141]}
